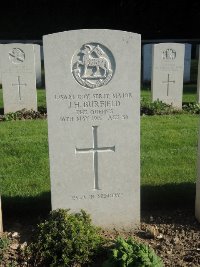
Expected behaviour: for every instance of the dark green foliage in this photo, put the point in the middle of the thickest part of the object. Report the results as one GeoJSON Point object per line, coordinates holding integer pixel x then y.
{"type": "Point", "coordinates": [157, 108]}
{"type": "Point", "coordinates": [132, 254]}
{"type": "Point", "coordinates": [65, 240]}
{"type": "Point", "coordinates": [193, 108]}
{"type": "Point", "coordinates": [24, 115]}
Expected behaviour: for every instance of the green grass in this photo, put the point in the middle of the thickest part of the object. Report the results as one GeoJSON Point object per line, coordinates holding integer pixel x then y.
{"type": "Point", "coordinates": [168, 163]}
{"type": "Point", "coordinates": [189, 93]}
{"type": "Point", "coordinates": [169, 159]}
{"type": "Point", "coordinates": [24, 164]}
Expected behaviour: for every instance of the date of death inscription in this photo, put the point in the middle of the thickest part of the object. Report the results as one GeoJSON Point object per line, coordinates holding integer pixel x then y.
{"type": "Point", "coordinates": [93, 106]}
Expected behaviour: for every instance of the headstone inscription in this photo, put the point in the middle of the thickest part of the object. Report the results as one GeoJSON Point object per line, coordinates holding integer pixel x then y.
{"type": "Point", "coordinates": [18, 77]}
{"type": "Point", "coordinates": [187, 62]}
{"type": "Point", "coordinates": [197, 206]}
{"type": "Point", "coordinates": [198, 80]}
{"type": "Point", "coordinates": [93, 84]}
{"type": "Point", "coordinates": [147, 62]}
{"type": "Point", "coordinates": [167, 73]}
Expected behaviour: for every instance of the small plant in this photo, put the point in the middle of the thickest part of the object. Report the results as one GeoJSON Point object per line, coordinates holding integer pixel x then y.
{"type": "Point", "coordinates": [65, 239]}
{"type": "Point", "coordinates": [4, 243]}
{"type": "Point", "coordinates": [132, 254]}
{"type": "Point", "coordinates": [157, 108]}
{"type": "Point", "coordinates": [193, 108]}
{"type": "Point", "coordinates": [24, 115]}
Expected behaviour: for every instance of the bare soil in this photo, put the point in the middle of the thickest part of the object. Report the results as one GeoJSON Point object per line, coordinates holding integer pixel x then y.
{"type": "Point", "coordinates": [174, 235]}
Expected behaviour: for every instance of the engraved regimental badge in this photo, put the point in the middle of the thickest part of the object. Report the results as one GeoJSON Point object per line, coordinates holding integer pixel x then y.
{"type": "Point", "coordinates": [169, 54]}
{"type": "Point", "coordinates": [17, 55]}
{"type": "Point", "coordinates": [93, 65]}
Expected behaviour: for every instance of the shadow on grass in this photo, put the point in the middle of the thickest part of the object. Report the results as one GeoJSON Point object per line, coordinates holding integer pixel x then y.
{"type": "Point", "coordinates": [26, 207]}
{"type": "Point", "coordinates": [169, 196]}
{"type": "Point", "coordinates": [190, 89]}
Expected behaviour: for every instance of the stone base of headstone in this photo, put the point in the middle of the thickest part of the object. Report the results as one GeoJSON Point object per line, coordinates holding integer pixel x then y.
{"type": "Point", "coordinates": [1, 220]}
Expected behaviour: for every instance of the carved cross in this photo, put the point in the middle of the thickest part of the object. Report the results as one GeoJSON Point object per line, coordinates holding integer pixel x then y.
{"type": "Point", "coordinates": [19, 84]}
{"type": "Point", "coordinates": [168, 82]}
{"type": "Point", "coordinates": [95, 150]}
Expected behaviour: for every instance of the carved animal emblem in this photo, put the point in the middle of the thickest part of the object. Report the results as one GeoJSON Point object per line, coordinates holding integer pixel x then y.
{"type": "Point", "coordinates": [93, 65]}
{"type": "Point", "coordinates": [89, 61]}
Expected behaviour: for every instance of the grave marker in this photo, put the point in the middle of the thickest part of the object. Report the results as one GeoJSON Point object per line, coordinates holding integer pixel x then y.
{"type": "Point", "coordinates": [147, 62]}
{"type": "Point", "coordinates": [167, 73]}
{"type": "Point", "coordinates": [37, 53]}
{"type": "Point", "coordinates": [18, 77]}
{"type": "Point", "coordinates": [187, 62]}
{"type": "Point", "coordinates": [93, 94]}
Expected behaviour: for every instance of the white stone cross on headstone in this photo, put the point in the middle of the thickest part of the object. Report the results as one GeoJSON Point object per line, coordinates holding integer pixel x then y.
{"type": "Point", "coordinates": [19, 86]}
{"type": "Point", "coordinates": [168, 82]}
{"type": "Point", "coordinates": [95, 149]}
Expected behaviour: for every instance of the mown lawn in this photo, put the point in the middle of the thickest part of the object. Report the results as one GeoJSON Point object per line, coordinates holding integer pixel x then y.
{"type": "Point", "coordinates": [168, 163]}
{"type": "Point", "coordinates": [189, 93]}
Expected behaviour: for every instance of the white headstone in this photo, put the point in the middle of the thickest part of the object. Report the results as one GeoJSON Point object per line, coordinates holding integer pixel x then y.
{"type": "Point", "coordinates": [37, 52]}
{"type": "Point", "coordinates": [147, 62]}
{"type": "Point", "coordinates": [93, 93]}
{"type": "Point", "coordinates": [187, 62]}
{"type": "Point", "coordinates": [198, 80]}
{"type": "Point", "coordinates": [197, 207]}
{"type": "Point", "coordinates": [18, 77]}
{"type": "Point", "coordinates": [38, 65]}
{"type": "Point", "coordinates": [167, 73]}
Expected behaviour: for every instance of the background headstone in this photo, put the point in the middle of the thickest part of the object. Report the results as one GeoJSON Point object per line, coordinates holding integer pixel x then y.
{"type": "Point", "coordinates": [197, 207]}
{"type": "Point", "coordinates": [93, 82]}
{"type": "Point", "coordinates": [198, 80]}
{"type": "Point", "coordinates": [187, 62]}
{"type": "Point", "coordinates": [167, 73]}
{"type": "Point", "coordinates": [18, 77]}
{"type": "Point", "coordinates": [38, 65]}
{"type": "Point", "coordinates": [147, 62]}
{"type": "Point", "coordinates": [37, 52]}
